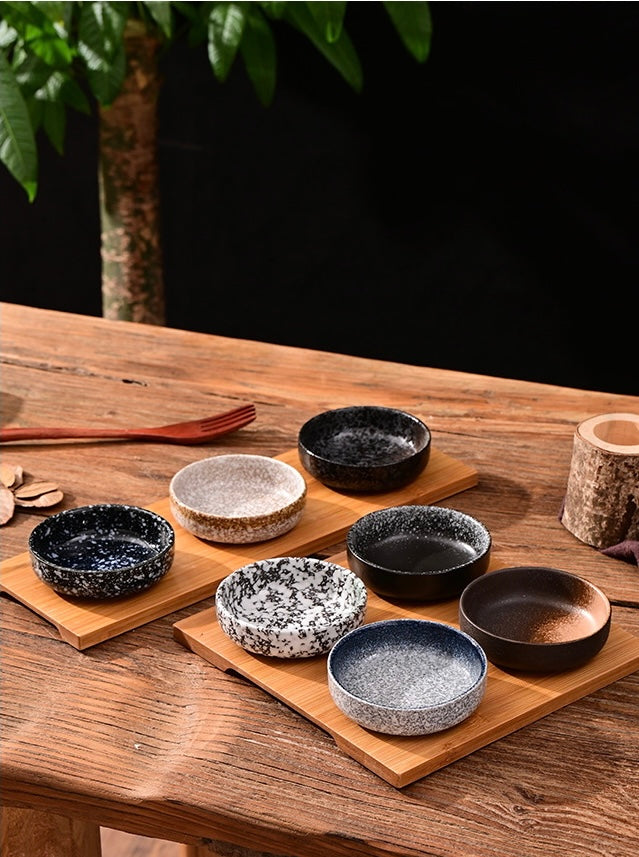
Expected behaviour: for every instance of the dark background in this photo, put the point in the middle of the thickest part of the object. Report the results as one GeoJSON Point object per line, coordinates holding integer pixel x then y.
{"type": "Point", "coordinates": [477, 212]}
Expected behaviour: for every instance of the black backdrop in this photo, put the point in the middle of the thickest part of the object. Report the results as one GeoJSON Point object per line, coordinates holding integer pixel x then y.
{"type": "Point", "coordinates": [476, 212]}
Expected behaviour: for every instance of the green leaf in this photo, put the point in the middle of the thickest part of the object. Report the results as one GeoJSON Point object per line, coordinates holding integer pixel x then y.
{"type": "Point", "coordinates": [72, 94]}
{"type": "Point", "coordinates": [341, 54]}
{"type": "Point", "coordinates": [8, 34]}
{"type": "Point", "coordinates": [106, 81]}
{"type": "Point", "coordinates": [47, 45]}
{"type": "Point", "coordinates": [196, 17]}
{"type": "Point", "coordinates": [161, 14]}
{"type": "Point", "coordinates": [31, 73]}
{"type": "Point", "coordinates": [329, 17]}
{"type": "Point", "coordinates": [274, 10]}
{"type": "Point", "coordinates": [226, 26]}
{"type": "Point", "coordinates": [64, 90]}
{"type": "Point", "coordinates": [54, 11]}
{"type": "Point", "coordinates": [259, 55]}
{"type": "Point", "coordinates": [36, 109]}
{"type": "Point", "coordinates": [54, 122]}
{"type": "Point", "coordinates": [100, 34]}
{"type": "Point", "coordinates": [17, 142]}
{"type": "Point", "coordinates": [414, 26]}
{"type": "Point", "coordinates": [20, 14]}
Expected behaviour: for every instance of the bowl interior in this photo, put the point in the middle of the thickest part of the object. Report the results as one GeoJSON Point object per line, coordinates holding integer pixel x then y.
{"type": "Point", "coordinates": [103, 537]}
{"type": "Point", "coordinates": [237, 486]}
{"type": "Point", "coordinates": [407, 664]}
{"type": "Point", "coordinates": [291, 594]}
{"type": "Point", "coordinates": [364, 436]}
{"type": "Point", "coordinates": [535, 605]}
{"type": "Point", "coordinates": [418, 539]}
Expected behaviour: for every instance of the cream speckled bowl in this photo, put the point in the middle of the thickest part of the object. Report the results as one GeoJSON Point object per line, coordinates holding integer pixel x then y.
{"type": "Point", "coordinates": [238, 499]}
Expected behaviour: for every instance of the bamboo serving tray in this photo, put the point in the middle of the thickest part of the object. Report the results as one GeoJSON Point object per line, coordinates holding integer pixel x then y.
{"type": "Point", "coordinates": [512, 699]}
{"type": "Point", "coordinates": [199, 565]}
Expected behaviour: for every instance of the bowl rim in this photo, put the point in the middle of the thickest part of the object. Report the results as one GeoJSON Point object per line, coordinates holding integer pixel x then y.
{"type": "Point", "coordinates": [369, 466]}
{"type": "Point", "coordinates": [292, 630]}
{"type": "Point", "coordinates": [449, 512]}
{"type": "Point", "coordinates": [162, 522]}
{"type": "Point", "coordinates": [528, 644]}
{"type": "Point", "coordinates": [289, 507]}
{"type": "Point", "coordinates": [405, 621]}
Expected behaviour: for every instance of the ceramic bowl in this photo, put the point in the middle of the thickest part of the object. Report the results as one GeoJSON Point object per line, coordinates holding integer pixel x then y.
{"type": "Point", "coordinates": [418, 553]}
{"type": "Point", "coordinates": [102, 551]}
{"type": "Point", "coordinates": [290, 607]}
{"type": "Point", "coordinates": [407, 676]}
{"type": "Point", "coordinates": [535, 618]}
{"type": "Point", "coordinates": [238, 499]}
{"type": "Point", "coordinates": [364, 448]}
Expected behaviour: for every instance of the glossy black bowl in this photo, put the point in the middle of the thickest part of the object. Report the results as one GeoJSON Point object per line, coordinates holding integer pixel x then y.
{"type": "Point", "coordinates": [418, 553]}
{"type": "Point", "coordinates": [535, 618]}
{"type": "Point", "coordinates": [364, 448]}
{"type": "Point", "coordinates": [102, 551]}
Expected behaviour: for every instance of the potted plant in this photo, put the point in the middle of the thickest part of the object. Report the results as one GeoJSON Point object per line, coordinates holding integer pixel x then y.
{"type": "Point", "coordinates": [85, 56]}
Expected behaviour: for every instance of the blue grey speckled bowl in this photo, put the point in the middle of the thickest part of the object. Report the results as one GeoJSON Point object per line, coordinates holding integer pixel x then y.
{"type": "Point", "coordinates": [407, 676]}
{"type": "Point", "coordinates": [102, 551]}
{"type": "Point", "coordinates": [418, 553]}
{"type": "Point", "coordinates": [364, 448]}
{"type": "Point", "coordinates": [290, 607]}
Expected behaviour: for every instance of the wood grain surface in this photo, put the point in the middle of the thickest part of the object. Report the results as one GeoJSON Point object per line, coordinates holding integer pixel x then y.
{"type": "Point", "coordinates": [140, 734]}
{"type": "Point", "coordinates": [512, 699]}
{"type": "Point", "coordinates": [199, 566]}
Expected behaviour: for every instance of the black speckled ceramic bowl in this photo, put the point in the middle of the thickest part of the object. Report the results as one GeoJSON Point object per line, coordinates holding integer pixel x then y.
{"type": "Point", "coordinates": [535, 618]}
{"type": "Point", "coordinates": [407, 676]}
{"type": "Point", "coordinates": [238, 498]}
{"type": "Point", "coordinates": [102, 551]}
{"type": "Point", "coordinates": [290, 607]}
{"type": "Point", "coordinates": [418, 553]}
{"type": "Point", "coordinates": [364, 448]}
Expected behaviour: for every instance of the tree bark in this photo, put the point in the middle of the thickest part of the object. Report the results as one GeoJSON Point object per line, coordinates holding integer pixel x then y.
{"type": "Point", "coordinates": [601, 507]}
{"type": "Point", "coordinates": [132, 264]}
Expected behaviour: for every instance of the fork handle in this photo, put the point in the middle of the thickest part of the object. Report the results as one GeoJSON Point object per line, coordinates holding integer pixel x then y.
{"type": "Point", "coordinates": [44, 433]}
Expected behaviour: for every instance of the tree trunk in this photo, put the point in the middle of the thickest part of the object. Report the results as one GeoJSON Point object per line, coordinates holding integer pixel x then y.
{"type": "Point", "coordinates": [601, 507]}
{"type": "Point", "coordinates": [132, 277]}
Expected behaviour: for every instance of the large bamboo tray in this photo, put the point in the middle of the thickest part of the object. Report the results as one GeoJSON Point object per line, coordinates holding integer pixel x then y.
{"type": "Point", "coordinates": [199, 566]}
{"type": "Point", "coordinates": [512, 699]}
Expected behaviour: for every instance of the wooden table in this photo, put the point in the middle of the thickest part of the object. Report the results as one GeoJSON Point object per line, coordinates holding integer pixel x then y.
{"type": "Point", "coordinates": [140, 734]}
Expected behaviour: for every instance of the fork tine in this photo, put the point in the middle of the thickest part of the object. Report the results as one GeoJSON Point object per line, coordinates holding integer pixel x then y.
{"type": "Point", "coordinates": [213, 426]}
{"type": "Point", "coordinates": [238, 415]}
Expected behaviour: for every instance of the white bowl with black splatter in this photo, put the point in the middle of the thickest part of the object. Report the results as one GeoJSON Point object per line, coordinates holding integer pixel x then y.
{"type": "Point", "coordinates": [238, 498]}
{"type": "Point", "coordinates": [407, 676]}
{"type": "Point", "coordinates": [106, 550]}
{"type": "Point", "coordinates": [290, 607]}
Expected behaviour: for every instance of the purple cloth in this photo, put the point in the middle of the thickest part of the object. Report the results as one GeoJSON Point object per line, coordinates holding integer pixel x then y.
{"type": "Point", "coordinates": [628, 551]}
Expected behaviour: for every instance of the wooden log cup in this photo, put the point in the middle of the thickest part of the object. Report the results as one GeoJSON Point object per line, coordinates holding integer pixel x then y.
{"type": "Point", "coordinates": [601, 506]}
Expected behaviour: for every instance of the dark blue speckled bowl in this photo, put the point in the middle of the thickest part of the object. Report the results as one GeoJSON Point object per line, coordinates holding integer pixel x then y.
{"type": "Point", "coordinates": [364, 448]}
{"type": "Point", "coordinates": [407, 676]}
{"type": "Point", "coordinates": [102, 551]}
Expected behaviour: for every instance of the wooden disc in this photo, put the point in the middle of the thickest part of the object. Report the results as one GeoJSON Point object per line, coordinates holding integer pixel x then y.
{"type": "Point", "coordinates": [601, 506]}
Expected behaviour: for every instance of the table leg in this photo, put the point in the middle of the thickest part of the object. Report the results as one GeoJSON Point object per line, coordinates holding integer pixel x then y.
{"type": "Point", "coordinates": [28, 833]}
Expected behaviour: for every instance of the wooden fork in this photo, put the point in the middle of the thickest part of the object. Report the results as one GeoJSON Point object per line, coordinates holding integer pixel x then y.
{"type": "Point", "coordinates": [190, 432]}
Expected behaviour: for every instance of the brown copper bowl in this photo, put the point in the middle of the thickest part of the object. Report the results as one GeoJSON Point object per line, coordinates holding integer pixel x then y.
{"type": "Point", "coordinates": [535, 618]}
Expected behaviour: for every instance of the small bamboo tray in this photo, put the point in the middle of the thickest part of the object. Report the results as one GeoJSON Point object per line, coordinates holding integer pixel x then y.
{"type": "Point", "coordinates": [512, 699]}
{"type": "Point", "coordinates": [199, 566]}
